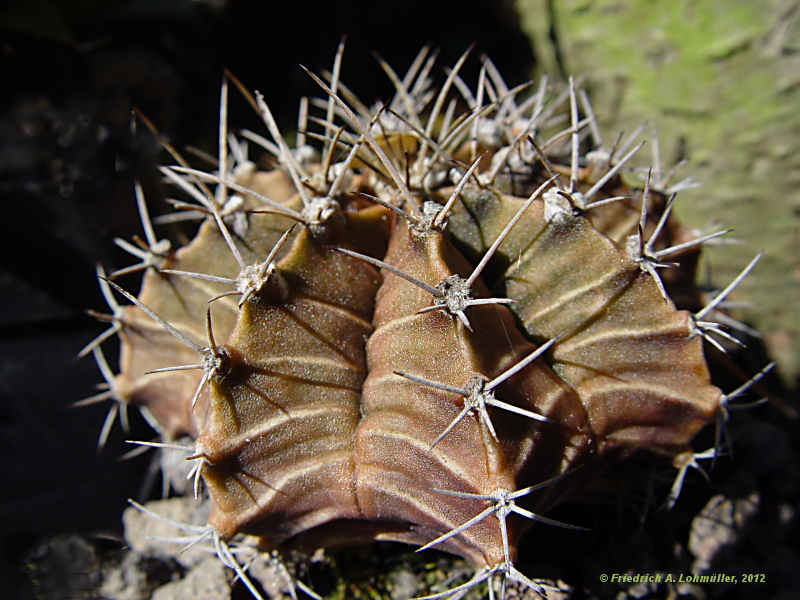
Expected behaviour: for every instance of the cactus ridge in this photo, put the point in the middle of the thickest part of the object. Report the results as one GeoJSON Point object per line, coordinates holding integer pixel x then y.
{"type": "Point", "coordinates": [424, 341]}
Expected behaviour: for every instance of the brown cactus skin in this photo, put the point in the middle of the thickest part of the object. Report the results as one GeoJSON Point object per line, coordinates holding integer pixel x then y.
{"type": "Point", "coordinates": [397, 468]}
{"type": "Point", "coordinates": [181, 301]}
{"type": "Point", "coordinates": [280, 427]}
{"type": "Point", "coordinates": [310, 436]}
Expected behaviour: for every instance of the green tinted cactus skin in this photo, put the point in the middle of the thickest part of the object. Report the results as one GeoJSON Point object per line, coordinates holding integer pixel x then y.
{"type": "Point", "coordinates": [618, 339]}
{"type": "Point", "coordinates": [349, 389]}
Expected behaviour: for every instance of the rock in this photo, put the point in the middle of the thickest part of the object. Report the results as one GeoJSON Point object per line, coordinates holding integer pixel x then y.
{"type": "Point", "coordinates": [272, 576]}
{"type": "Point", "coordinates": [719, 525]}
{"type": "Point", "coordinates": [404, 584]}
{"type": "Point", "coordinates": [208, 580]}
{"type": "Point", "coordinates": [178, 520]}
{"type": "Point", "coordinates": [135, 577]}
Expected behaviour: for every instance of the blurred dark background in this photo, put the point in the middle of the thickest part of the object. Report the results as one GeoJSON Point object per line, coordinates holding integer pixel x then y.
{"type": "Point", "coordinates": [72, 71]}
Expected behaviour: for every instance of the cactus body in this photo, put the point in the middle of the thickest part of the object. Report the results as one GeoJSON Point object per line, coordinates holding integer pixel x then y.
{"type": "Point", "coordinates": [376, 378]}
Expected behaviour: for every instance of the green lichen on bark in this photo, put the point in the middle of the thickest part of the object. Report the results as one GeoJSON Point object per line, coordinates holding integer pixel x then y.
{"type": "Point", "coordinates": [720, 81]}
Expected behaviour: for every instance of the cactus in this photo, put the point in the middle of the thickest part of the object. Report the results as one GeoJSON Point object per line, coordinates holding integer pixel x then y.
{"type": "Point", "coordinates": [428, 327]}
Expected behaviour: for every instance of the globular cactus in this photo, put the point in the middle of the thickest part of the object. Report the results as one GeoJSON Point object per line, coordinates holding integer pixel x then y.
{"type": "Point", "coordinates": [428, 328]}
